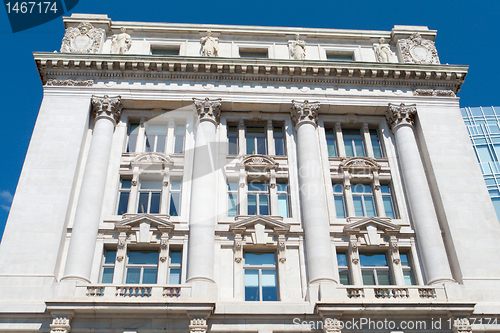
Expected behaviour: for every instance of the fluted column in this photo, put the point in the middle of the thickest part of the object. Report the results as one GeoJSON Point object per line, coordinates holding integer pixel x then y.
{"type": "Point", "coordinates": [202, 217]}
{"type": "Point", "coordinates": [316, 224]}
{"type": "Point", "coordinates": [107, 111]}
{"type": "Point", "coordinates": [425, 221]}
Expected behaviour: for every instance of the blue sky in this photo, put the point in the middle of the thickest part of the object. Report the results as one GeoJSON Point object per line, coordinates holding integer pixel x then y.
{"type": "Point", "coordinates": [468, 34]}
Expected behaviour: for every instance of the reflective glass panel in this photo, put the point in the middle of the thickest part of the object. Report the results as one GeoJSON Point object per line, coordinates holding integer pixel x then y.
{"type": "Point", "coordinates": [259, 259]}
{"type": "Point", "coordinates": [143, 257]}
{"type": "Point", "coordinates": [269, 290]}
{"type": "Point", "coordinates": [133, 275]}
{"type": "Point", "coordinates": [107, 275]}
{"type": "Point", "coordinates": [175, 276]}
{"type": "Point", "coordinates": [149, 276]}
{"type": "Point", "coordinates": [252, 285]}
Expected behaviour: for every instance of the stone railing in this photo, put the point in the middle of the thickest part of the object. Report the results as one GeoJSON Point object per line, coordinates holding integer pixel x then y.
{"type": "Point", "coordinates": [129, 292]}
{"type": "Point", "coordinates": [411, 293]}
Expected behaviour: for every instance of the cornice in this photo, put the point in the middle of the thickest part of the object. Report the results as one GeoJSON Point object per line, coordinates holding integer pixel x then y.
{"type": "Point", "coordinates": [52, 65]}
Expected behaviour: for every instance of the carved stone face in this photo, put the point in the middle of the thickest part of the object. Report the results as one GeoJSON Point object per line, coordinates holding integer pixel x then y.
{"type": "Point", "coordinates": [382, 40]}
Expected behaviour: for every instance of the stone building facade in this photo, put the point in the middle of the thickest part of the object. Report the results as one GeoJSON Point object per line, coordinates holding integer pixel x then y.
{"type": "Point", "coordinates": [194, 178]}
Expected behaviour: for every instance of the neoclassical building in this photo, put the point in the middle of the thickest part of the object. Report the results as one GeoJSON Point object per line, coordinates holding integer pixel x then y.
{"type": "Point", "coordinates": [209, 178]}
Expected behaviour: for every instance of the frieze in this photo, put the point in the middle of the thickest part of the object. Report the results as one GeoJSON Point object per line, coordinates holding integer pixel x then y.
{"type": "Point", "coordinates": [82, 39]}
{"type": "Point", "coordinates": [70, 83]}
{"type": "Point", "coordinates": [433, 92]}
{"type": "Point", "coordinates": [417, 50]}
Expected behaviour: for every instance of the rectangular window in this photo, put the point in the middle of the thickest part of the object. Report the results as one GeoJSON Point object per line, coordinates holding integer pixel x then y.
{"type": "Point", "coordinates": [149, 197]}
{"type": "Point", "coordinates": [256, 139]}
{"type": "Point", "coordinates": [142, 267]}
{"type": "Point", "coordinates": [174, 267]}
{"type": "Point", "coordinates": [374, 269]}
{"type": "Point", "coordinates": [388, 201]}
{"type": "Point", "coordinates": [156, 138]}
{"type": "Point", "coordinates": [232, 140]}
{"type": "Point", "coordinates": [279, 141]}
{"type": "Point", "coordinates": [175, 198]}
{"type": "Point", "coordinates": [108, 266]}
{"type": "Point", "coordinates": [165, 51]}
{"type": "Point", "coordinates": [407, 271]}
{"type": "Point", "coordinates": [258, 198]}
{"type": "Point", "coordinates": [331, 142]}
{"type": "Point", "coordinates": [232, 199]}
{"type": "Point", "coordinates": [123, 196]}
{"type": "Point", "coordinates": [260, 277]}
{"type": "Point", "coordinates": [377, 150]}
{"type": "Point", "coordinates": [362, 197]}
{"type": "Point", "coordinates": [283, 206]}
{"type": "Point", "coordinates": [180, 131]}
{"type": "Point", "coordinates": [353, 142]}
{"type": "Point", "coordinates": [133, 130]}
{"type": "Point", "coordinates": [253, 53]}
{"type": "Point", "coordinates": [343, 269]}
{"type": "Point", "coordinates": [339, 56]}
{"type": "Point", "coordinates": [338, 198]}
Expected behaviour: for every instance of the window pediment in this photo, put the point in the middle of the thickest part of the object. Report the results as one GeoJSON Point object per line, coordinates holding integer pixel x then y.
{"type": "Point", "coordinates": [357, 164]}
{"type": "Point", "coordinates": [136, 222]}
{"type": "Point", "coordinates": [258, 162]}
{"type": "Point", "coordinates": [363, 224]}
{"type": "Point", "coordinates": [152, 158]}
{"type": "Point", "coordinates": [268, 222]}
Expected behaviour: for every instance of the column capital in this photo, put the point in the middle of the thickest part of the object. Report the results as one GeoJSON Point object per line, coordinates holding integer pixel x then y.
{"type": "Point", "coordinates": [208, 110]}
{"type": "Point", "coordinates": [401, 115]}
{"type": "Point", "coordinates": [304, 112]}
{"type": "Point", "coordinates": [107, 107]}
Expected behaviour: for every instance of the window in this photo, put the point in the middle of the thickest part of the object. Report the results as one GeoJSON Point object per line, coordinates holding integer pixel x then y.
{"type": "Point", "coordinates": [362, 197]}
{"type": "Point", "coordinates": [149, 197]}
{"type": "Point", "coordinates": [343, 269]}
{"type": "Point", "coordinates": [377, 150]}
{"type": "Point", "coordinates": [180, 130]}
{"type": "Point", "coordinates": [338, 198]}
{"type": "Point", "coordinates": [174, 267]}
{"type": "Point", "coordinates": [283, 206]}
{"type": "Point", "coordinates": [165, 51]}
{"type": "Point", "coordinates": [142, 267]}
{"type": "Point", "coordinates": [232, 199]}
{"type": "Point", "coordinates": [258, 198]}
{"type": "Point", "coordinates": [374, 269]}
{"type": "Point", "coordinates": [108, 266]}
{"type": "Point", "coordinates": [353, 142]}
{"type": "Point", "coordinates": [123, 196]}
{"type": "Point", "coordinates": [133, 130]}
{"type": "Point", "coordinates": [156, 137]}
{"type": "Point", "coordinates": [407, 271]}
{"type": "Point", "coordinates": [331, 142]}
{"type": "Point", "coordinates": [260, 277]}
{"type": "Point", "coordinates": [256, 140]}
{"type": "Point", "coordinates": [339, 56]}
{"type": "Point", "coordinates": [253, 53]}
{"type": "Point", "coordinates": [175, 198]}
{"type": "Point", "coordinates": [279, 141]}
{"type": "Point", "coordinates": [387, 200]}
{"type": "Point", "coordinates": [232, 139]}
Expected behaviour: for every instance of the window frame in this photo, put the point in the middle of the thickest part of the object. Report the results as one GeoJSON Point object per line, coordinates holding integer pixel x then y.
{"type": "Point", "coordinates": [123, 191]}
{"type": "Point", "coordinates": [171, 191]}
{"type": "Point", "coordinates": [150, 196]}
{"type": "Point", "coordinates": [171, 266]}
{"type": "Point", "coordinates": [363, 197]}
{"type": "Point", "coordinates": [258, 194]}
{"type": "Point", "coordinates": [345, 268]}
{"type": "Point", "coordinates": [105, 265]}
{"type": "Point", "coordinates": [260, 269]}
{"type": "Point", "coordinates": [255, 138]}
{"type": "Point", "coordinates": [376, 269]}
{"type": "Point", "coordinates": [232, 196]}
{"type": "Point", "coordinates": [142, 267]}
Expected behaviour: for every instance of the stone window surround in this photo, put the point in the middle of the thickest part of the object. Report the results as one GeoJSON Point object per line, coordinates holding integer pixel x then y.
{"type": "Point", "coordinates": [344, 49]}
{"type": "Point", "coordinates": [162, 44]}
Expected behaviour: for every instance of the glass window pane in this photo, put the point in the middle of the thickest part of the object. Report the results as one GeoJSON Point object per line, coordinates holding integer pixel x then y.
{"type": "Point", "coordinates": [360, 150]}
{"type": "Point", "coordinates": [150, 140]}
{"type": "Point", "coordinates": [258, 129]}
{"type": "Point", "coordinates": [358, 188]}
{"type": "Point", "coordinates": [476, 112]}
{"type": "Point", "coordinates": [254, 186]}
{"type": "Point", "coordinates": [339, 206]}
{"type": "Point", "coordinates": [232, 186]}
{"type": "Point", "coordinates": [373, 259]}
{"type": "Point", "coordinates": [282, 187]}
{"type": "Point", "coordinates": [233, 145]}
{"type": "Point", "coordinates": [377, 152]}
{"type": "Point", "coordinates": [251, 285]}
{"type": "Point", "coordinates": [408, 276]}
{"type": "Point", "coordinates": [337, 188]}
{"type": "Point", "coordinates": [252, 204]}
{"type": "Point", "coordinates": [279, 146]}
{"type": "Point", "coordinates": [389, 210]}
{"type": "Point", "coordinates": [132, 137]}
{"type": "Point", "coordinates": [344, 276]}
{"type": "Point", "coordinates": [160, 143]}
{"type": "Point", "coordinates": [358, 206]}
{"type": "Point", "coordinates": [259, 259]}
{"type": "Point", "coordinates": [264, 204]}
{"type": "Point", "coordinates": [125, 184]}
{"type": "Point", "coordinates": [383, 278]}
{"type": "Point", "coordinates": [149, 275]}
{"type": "Point", "coordinates": [488, 111]}
{"type": "Point", "coordinates": [109, 257]}
{"type": "Point", "coordinates": [404, 260]}
{"type": "Point", "coordinates": [175, 257]}
{"type": "Point", "coordinates": [370, 206]}
{"type": "Point", "coordinates": [349, 151]}
{"type": "Point", "coordinates": [175, 185]}
{"type": "Point", "coordinates": [179, 139]}
{"type": "Point", "coordinates": [283, 205]}
{"type": "Point", "coordinates": [175, 276]}
{"type": "Point", "coordinates": [384, 189]}
{"type": "Point", "coordinates": [332, 147]}
{"type": "Point", "coordinates": [143, 258]}
{"type": "Point", "coordinates": [155, 203]}
{"type": "Point", "coordinates": [133, 275]}
{"type": "Point", "coordinates": [232, 204]}
{"type": "Point", "coordinates": [251, 146]}
{"type": "Point", "coordinates": [341, 259]}
{"type": "Point", "coordinates": [269, 290]}
{"type": "Point", "coordinates": [150, 185]}
{"type": "Point", "coordinates": [368, 278]}
{"type": "Point", "coordinates": [175, 204]}
{"type": "Point", "coordinates": [123, 203]}
{"type": "Point", "coordinates": [107, 275]}
{"type": "Point", "coordinates": [261, 145]}
{"type": "Point", "coordinates": [143, 203]}
{"type": "Point", "coordinates": [484, 154]}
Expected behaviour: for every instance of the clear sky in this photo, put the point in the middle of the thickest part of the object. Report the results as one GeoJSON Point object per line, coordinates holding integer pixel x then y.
{"type": "Point", "coordinates": [468, 34]}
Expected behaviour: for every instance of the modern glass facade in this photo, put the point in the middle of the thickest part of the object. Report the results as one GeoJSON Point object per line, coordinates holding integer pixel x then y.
{"type": "Point", "coordinates": [483, 125]}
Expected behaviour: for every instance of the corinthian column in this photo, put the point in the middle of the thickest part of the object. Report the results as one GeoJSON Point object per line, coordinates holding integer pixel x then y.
{"type": "Point", "coordinates": [316, 224]}
{"type": "Point", "coordinates": [425, 221]}
{"type": "Point", "coordinates": [107, 111]}
{"type": "Point", "coordinates": [202, 217]}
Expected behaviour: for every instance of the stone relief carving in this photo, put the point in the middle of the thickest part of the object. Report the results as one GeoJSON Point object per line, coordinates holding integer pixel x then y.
{"type": "Point", "coordinates": [333, 325]}
{"type": "Point", "coordinates": [60, 325]}
{"type": "Point", "coordinates": [83, 39]}
{"type": "Point", "coordinates": [398, 115]}
{"type": "Point", "coordinates": [384, 53]}
{"type": "Point", "coordinates": [209, 45]}
{"type": "Point", "coordinates": [106, 106]}
{"type": "Point", "coordinates": [297, 48]}
{"type": "Point", "coordinates": [70, 83]}
{"type": "Point", "coordinates": [417, 50]}
{"type": "Point", "coordinates": [433, 92]}
{"type": "Point", "coordinates": [198, 325]}
{"type": "Point", "coordinates": [462, 325]}
{"type": "Point", "coordinates": [305, 112]}
{"type": "Point", "coordinates": [208, 109]}
{"type": "Point", "coordinates": [121, 43]}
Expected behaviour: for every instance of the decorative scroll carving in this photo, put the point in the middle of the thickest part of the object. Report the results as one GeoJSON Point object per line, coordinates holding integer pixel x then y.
{"type": "Point", "coordinates": [305, 112]}
{"type": "Point", "coordinates": [198, 325]}
{"type": "Point", "coordinates": [152, 158]}
{"type": "Point", "coordinates": [238, 247]}
{"type": "Point", "coordinates": [208, 109]}
{"type": "Point", "coordinates": [83, 39]}
{"type": "Point", "coordinates": [209, 45]}
{"type": "Point", "coordinates": [107, 107]}
{"type": "Point", "coordinates": [358, 164]}
{"type": "Point", "coordinates": [433, 92]}
{"type": "Point", "coordinates": [70, 83]}
{"type": "Point", "coordinates": [332, 325]}
{"type": "Point", "coordinates": [416, 50]}
{"type": "Point", "coordinates": [462, 325]}
{"type": "Point", "coordinates": [60, 325]}
{"type": "Point", "coordinates": [282, 248]}
{"type": "Point", "coordinates": [399, 115]}
{"type": "Point", "coordinates": [121, 43]}
{"type": "Point", "coordinates": [297, 48]}
{"type": "Point", "coordinates": [384, 53]}
{"type": "Point", "coordinates": [258, 162]}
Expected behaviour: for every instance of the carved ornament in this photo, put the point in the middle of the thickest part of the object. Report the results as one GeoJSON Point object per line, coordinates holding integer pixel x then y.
{"type": "Point", "coordinates": [297, 48]}
{"type": "Point", "coordinates": [433, 92]}
{"type": "Point", "coordinates": [258, 162]}
{"type": "Point", "coordinates": [83, 39]}
{"type": "Point", "coordinates": [358, 164]}
{"type": "Point", "coordinates": [462, 325]}
{"type": "Point", "coordinates": [60, 325]}
{"type": "Point", "coordinates": [107, 107]}
{"type": "Point", "coordinates": [209, 45]}
{"type": "Point", "coordinates": [208, 109]}
{"type": "Point", "coordinates": [121, 43]}
{"type": "Point", "coordinates": [70, 83]}
{"type": "Point", "coordinates": [399, 115]}
{"type": "Point", "coordinates": [152, 158]}
{"type": "Point", "coordinates": [198, 325]}
{"type": "Point", "coordinates": [305, 112]}
{"type": "Point", "coordinates": [333, 325]}
{"type": "Point", "coordinates": [384, 53]}
{"type": "Point", "coordinates": [417, 50]}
